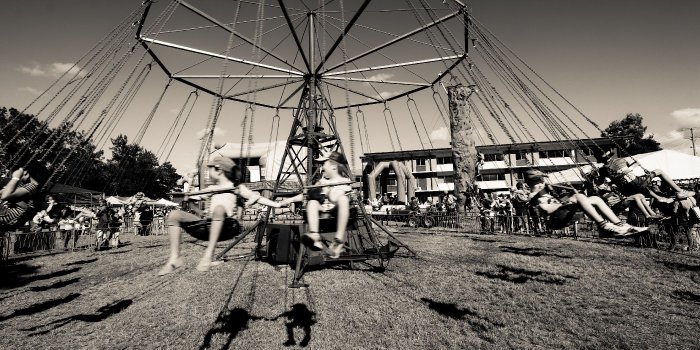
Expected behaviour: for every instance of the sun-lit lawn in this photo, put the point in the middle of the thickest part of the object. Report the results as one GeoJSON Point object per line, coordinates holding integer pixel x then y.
{"type": "Point", "coordinates": [463, 292]}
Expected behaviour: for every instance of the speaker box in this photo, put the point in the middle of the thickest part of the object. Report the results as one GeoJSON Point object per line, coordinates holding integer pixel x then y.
{"type": "Point", "coordinates": [279, 242]}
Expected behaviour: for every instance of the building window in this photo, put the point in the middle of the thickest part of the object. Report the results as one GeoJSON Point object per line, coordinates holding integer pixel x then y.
{"type": "Point", "coordinates": [422, 184]}
{"type": "Point", "coordinates": [444, 160]}
{"type": "Point", "coordinates": [554, 154]}
{"type": "Point", "coordinates": [586, 151]}
{"type": "Point", "coordinates": [521, 156]}
{"type": "Point", "coordinates": [420, 165]}
{"type": "Point", "coordinates": [493, 177]}
{"type": "Point", "coordinates": [494, 157]}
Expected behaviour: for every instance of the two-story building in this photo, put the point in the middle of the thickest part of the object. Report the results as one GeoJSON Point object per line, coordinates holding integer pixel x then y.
{"type": "Point", "coordinates": [502, 168]}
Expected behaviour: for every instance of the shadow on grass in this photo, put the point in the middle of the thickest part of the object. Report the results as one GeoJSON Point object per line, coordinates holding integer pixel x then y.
{"type": "Point", "coordinates": [119, 252]}
{"type": "Point", "coordinates": [681, 267]}
{"type": "Point", "coordinates": [531, 252]}
{"type": "Point", "coordinates": [479, 239]}
{"type": "Point", "coordinates": [82, 262]}
{"type": "Point", "coordinates": [519, 276]}
{"type": "Point", "coordinates": [230, 323]}
{"type": "Point", "coordinates": [299, 317]}
{"type": "Point", "coordinates": [478, 324]}
{"type": "Point", "coordinates": [686, 296]}
{"type": "Point", "coordinates": [16, 276]}
{"type": "Point", "coordinates": [59, 284]}
{"type": "Point", "coordinates": [102, 314]}
{"type": "Point", "coordinates": [152, 246]}
{"type": "Point", "coordinates": [40, 307]}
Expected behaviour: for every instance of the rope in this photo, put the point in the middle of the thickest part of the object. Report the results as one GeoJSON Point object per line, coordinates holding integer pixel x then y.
{"type": "Point", "coordinates": [388, 129]}
{"type": "Point", "coordinates": [351, 129]}
{"type": "Point", "coordinates": [218, 99]}
{"type": "Point", "coordinates": [420, 117]}
{"type": "Point", "coordinates": [187, 118]}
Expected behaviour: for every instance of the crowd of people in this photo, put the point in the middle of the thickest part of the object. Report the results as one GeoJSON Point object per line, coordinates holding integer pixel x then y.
{"type": "Point", "coordinates": [25, 207]}
{"type": "Point", "coordinates": [533, 205]}
{"type": "Point", "coordinates": [607, 193]}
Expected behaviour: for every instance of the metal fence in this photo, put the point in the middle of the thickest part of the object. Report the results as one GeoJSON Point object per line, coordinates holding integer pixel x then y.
{"type": "Point", "coordinates": [26, 241]}
{"type": "Point", "coordinates": [668, 234]}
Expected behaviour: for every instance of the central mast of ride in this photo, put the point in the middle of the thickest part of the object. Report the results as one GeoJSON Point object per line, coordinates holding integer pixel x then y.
{"type": "Point", "coordinates": [313, 125]}
{"type": "Point", "coordinates": [312, 114]}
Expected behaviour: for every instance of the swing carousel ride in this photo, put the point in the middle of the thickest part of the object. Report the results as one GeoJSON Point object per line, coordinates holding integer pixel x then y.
{"type": "Point", "coordinates": [307, 65]}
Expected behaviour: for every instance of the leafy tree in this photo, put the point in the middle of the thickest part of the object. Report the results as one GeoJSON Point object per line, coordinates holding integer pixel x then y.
{"type": "Point", "coordinates": [77, 160]}
{"type": "Point", "coordinates": [134, 169]}
{"type": "Point", "coordinates": [631, 130]}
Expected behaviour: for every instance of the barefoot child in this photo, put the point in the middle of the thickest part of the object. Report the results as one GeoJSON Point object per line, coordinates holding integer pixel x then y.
{"type": "Point", "coordinates": [327, 198]}
{"type": "Point", "coordinates": [221, 222]}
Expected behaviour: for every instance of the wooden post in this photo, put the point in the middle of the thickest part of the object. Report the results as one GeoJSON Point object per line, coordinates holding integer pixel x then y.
{"type": "Point", "coordinates": [463, 144]}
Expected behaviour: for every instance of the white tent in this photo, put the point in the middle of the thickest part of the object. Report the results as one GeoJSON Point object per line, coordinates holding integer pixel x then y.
{"type": "Point", "coordinates": [270, 155]}
{"type": "Point", "coordinates": [572, 176]}
{"type": "Point", "coordinates": [676, 164]}
{"type": "Point", "coordinates": [165, 203]}
{"type": "Point", "coordinates": [112, 200]}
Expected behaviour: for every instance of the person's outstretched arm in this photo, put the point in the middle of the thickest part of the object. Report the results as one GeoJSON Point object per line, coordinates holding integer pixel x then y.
{"type": "Point", "coordinates": [10, 191]}
{"type": "Point", "coordinates": [252, 197]}
{"type": "Point", "coordinates": [297, 198]}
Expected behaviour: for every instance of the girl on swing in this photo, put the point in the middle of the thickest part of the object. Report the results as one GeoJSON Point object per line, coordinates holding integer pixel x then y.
{"type": "Point", "coordinates": [561, 211]}
{"type": "Point", "coordinates": [21, 197]}
{"type": "Point", "coordinates": [221, 223]}
{"type": "Point", "coordinates": [333, 197]}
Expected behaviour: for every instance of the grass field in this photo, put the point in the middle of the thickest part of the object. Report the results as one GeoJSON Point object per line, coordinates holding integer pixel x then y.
{"type": "Point", "coordinates": [462, 292]}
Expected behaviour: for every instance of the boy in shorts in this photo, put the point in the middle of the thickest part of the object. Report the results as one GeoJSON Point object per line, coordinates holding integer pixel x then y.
{"type": "Point", "coordinates": [332, 197]}
{"type": "Point", "coordinates": [221, 223]}
{"type": "Point", "coordinates": [561, 212]}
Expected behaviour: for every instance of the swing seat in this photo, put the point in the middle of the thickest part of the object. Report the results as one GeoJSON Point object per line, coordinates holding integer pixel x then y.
{"type": "Point", "coordinates": [200, 229]}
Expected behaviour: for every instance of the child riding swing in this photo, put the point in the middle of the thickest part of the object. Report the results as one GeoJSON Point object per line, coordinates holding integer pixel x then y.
{"type": "Point", "coordinates": [221, 224]}
{"type": "Point", "coordinates": [560, 212]}
{"type": "Point", "coordinates": [22, 196]}
{"type": "Point", "coordinates": [329, 195]}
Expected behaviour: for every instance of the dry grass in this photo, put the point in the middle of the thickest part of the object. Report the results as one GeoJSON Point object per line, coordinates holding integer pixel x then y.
{"type": "Point", "coordinates": [463, 292]}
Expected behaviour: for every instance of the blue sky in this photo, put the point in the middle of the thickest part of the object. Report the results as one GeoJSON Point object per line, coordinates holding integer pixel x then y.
{"type": "Point", "coordinates": [608, 58]}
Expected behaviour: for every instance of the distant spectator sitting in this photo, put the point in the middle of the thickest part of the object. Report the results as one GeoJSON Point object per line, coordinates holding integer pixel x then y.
{"type": "Point", "coordinates": [21, 197]}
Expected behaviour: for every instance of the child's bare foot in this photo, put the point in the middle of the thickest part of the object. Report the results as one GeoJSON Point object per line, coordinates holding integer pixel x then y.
{"type": "Point", "coordinates": [206, 263]}
{"type": "Point", "coordinates": [170, 267]}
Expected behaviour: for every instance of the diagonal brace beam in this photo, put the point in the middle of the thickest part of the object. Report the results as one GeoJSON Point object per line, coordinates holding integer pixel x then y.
{"type": "Point", "coordinates": [230, 30]}
{"type": "Point", "coordinates": [217, 55]}
{"type": "Point", "coordinates": [397, 39]}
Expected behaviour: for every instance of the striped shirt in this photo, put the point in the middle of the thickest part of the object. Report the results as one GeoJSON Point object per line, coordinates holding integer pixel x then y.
{"type": "Point", "coordinates": [11, 212]}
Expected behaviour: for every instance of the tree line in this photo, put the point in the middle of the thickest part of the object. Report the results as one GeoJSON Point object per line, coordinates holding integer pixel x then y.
{"type": "Point", "coordinates": [77, 161]}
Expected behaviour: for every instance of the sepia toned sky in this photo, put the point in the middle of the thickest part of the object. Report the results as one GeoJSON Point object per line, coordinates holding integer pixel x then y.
{"type": "Point", "coordinates": [608, 58]}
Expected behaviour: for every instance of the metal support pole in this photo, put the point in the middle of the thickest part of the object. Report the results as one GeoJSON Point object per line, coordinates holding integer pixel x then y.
{"type": "Point", "coordinates": [692, 139]}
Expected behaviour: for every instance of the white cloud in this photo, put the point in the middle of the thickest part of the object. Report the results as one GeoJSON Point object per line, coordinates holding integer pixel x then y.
{"type": "Point", "coordinates": [30, 90]}
{"type": "Point", "coordinates": [380, 76]}
{"type": "Point", "coordinates": [217, 132]}
{"type": "Point", "coordinates": [440, 134]}
{"type": "Point", "coordinates": [687, 117]}
{"type": "Point", "coordinates": [383, 95]}
{"type": "Point", "coordinates": [53, 70]}
{"type": "Point", "coordinates": [35, 71]}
